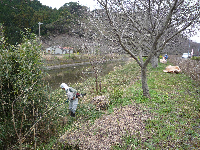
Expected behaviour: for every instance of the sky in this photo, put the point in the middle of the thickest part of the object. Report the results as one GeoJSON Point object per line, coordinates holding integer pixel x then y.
{"type": "Point", "coordinates": [92, 4]}
{"type": "Point", "coordinates": [58, 3]}
{"type": "Point", "coordinates": [196, 38]}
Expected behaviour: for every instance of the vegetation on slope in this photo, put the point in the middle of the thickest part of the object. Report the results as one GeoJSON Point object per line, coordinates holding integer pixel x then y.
{"type": "Point", "coordinates": [18, 15]}
{"type": "Point", "coordinates": [23, 96]}
{"type": "Point", "coordinates": [171, 120]}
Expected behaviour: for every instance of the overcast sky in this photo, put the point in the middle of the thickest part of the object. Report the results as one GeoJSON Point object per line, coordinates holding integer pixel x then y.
{"type": "Point", "coordinates": [196, 38]}
{"type": "Point", "coordinates": [90, 4]}
{"type": "Point", "coordinates": [58, 3]}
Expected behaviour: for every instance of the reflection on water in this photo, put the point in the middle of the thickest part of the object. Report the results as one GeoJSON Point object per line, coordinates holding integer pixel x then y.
{"type": "Point", "coordinates": [72, 75]}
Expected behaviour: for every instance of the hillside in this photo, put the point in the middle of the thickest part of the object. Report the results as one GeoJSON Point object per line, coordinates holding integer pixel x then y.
{"type": "Point", "coordinates": [18, 15]}
{"type": "Point", "coordinates": [67, 26]}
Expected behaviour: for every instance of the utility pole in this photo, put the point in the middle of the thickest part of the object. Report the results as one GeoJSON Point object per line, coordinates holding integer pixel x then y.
{"type": "Point", "coordinates": [189, 49]}
{"type": "Point", "coordinates": [39, 29]}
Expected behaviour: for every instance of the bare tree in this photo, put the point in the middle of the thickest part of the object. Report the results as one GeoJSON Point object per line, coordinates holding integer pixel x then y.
{"type": "Point", "coordinates": [144, 27]}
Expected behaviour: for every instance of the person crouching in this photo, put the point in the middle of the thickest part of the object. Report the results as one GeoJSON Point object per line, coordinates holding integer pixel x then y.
{"type": "Point", "coordinates": [71, 95]}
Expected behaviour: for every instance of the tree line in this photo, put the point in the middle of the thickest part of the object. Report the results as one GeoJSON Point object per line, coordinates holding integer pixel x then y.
{"type": "Point", "coordinates": [16, 15]}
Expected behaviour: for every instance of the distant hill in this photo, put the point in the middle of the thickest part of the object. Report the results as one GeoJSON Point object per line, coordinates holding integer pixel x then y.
{"type": "Point", "coordinates": [16, 15]}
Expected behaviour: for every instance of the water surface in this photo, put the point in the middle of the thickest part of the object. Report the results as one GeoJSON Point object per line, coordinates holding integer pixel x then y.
{"type": "Point", "coordinates": [75, 74]}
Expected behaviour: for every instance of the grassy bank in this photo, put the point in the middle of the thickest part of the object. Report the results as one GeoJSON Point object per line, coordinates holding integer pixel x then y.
{"type": "Point", "coordinates": [53, 60]}
{"type": "Point", "coordinates": [172, 114]}
{"type": "Point", "coordinates": [175, 107]}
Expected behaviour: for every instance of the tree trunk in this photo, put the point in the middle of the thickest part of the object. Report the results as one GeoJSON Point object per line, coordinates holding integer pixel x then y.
{"type": "Point", "coordinates": [154, 61]}
{"type": "Point", "coordinates": [145, 87]}
{"type": "Point", "coordinates": [96, 76]}
{"type": "Point", "coordinates": [20, 144]}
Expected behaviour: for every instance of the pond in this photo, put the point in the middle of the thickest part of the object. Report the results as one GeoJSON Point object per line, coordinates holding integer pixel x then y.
{"type": "Point", "coordinates": [79, 73]}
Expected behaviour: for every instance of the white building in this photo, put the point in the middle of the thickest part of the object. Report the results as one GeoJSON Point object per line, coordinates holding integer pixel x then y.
{"type": "Point", "coordinates": [59, 50]}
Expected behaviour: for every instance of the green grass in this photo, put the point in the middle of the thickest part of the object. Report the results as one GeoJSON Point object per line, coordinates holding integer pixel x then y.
{"type": "Point", "coordinates": [174, 106]}
{"type": "Point", "coordinates": [196, 58]}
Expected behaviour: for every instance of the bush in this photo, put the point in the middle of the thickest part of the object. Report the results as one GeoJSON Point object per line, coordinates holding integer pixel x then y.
{"type": "Point", "coordinates": [196, 58]}
{"type": "Point", "coordinates": [22, 92]}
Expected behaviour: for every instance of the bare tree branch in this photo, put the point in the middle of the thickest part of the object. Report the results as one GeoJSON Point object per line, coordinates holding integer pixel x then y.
{"type": "Point", "coordinates": [144, 27]}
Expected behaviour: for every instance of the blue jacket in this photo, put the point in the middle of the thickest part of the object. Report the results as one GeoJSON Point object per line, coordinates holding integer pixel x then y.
{"type": "Point", "coordinates": [166, 56]}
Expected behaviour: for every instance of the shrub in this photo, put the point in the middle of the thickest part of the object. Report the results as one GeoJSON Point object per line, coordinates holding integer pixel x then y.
{"type": "Point", "coordinates": [196, 58]}
{"type": "Point", "coordinates": [116, 96]}
{"type": "Point", "coordinates": [22, 92]}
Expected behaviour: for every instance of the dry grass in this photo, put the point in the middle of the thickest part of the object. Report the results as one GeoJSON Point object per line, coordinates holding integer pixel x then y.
{"type": "Point", "coordinates": [109, 130]}
{"type": "Point", "coordinates": [188, 66]}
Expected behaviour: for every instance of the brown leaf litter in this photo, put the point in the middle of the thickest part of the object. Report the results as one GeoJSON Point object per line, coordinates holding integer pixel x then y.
{"type": "Point", "coordinates": [100, 102]}
{"type": "Point", "coordinates": [109, 129]}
